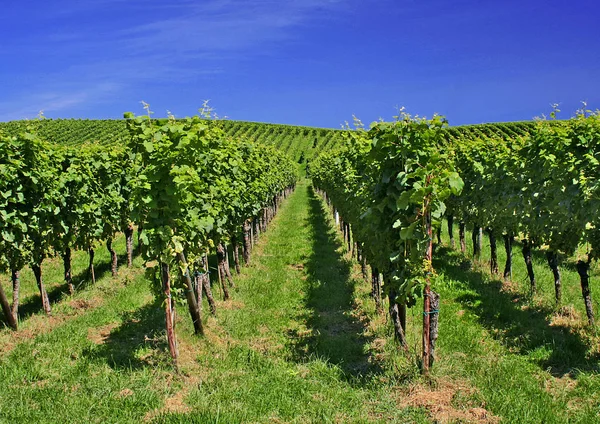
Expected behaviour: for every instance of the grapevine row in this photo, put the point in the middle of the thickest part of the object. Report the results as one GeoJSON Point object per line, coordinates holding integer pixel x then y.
{"type": "Point", "coordinates": [188, 186]}
{"type": "Point", "coordinates": [391, 186]}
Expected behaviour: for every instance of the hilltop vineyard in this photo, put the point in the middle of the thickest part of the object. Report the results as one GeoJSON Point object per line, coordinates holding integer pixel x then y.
{"type": "Point", "coordinates": [299, 143]}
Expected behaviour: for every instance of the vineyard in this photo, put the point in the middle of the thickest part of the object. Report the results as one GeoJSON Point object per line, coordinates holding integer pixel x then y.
{"type": "Point", "coordinates": [297, 142]}
{"type": "Point", "coordinates": [392, 186]}
{"type": "Point", "coordinates": [374, 291]}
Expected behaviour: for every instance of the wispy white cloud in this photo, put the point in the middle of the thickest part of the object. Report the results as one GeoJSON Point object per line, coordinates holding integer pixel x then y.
{"type": "Point", "coordinates": [226, 25]}
{"type": "Point", "coordinates": [62, 98]}
{"type": "Point", "coordinates": [149, 41]}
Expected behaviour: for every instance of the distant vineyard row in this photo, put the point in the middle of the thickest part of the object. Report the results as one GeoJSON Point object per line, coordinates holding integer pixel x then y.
{"type": "Point", "coordinates": [296, 141]}
{"type": "Point", "coordinates": [292, 140]}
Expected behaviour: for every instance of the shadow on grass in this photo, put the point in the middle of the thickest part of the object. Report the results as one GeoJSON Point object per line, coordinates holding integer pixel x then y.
{"type": "Point", "coordinates": [81, 281]}
{"type": "Point", "coordinates": [336, 333]}
{"type": "Point", "coordinates": [565, 262]}
{"type": "Point", "coordinates": [524, 330]}
{"type": "Point", "coordinates": [137, 343]}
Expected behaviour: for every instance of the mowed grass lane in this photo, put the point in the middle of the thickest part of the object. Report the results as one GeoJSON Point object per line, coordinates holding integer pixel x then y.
{"type": "Point", "coordinates": [293, 346]}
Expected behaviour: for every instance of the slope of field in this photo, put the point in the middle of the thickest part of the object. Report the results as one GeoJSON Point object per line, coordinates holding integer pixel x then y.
{"type": "Point", "coordinates": [301, 342]}
{"type": "Point", "coordinates": [298, 142]}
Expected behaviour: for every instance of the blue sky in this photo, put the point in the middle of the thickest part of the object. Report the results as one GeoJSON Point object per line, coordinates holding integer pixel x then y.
{"type": "Point", "coordinates": [305, 62]}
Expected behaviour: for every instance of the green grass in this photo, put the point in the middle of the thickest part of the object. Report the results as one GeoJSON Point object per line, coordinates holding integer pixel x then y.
{"type": "Point", "coordinates": [531, 361]}
{"type": "Point", "coordinates": [301, 342]}
{"type": "Point", "coordinates": [74, 366]}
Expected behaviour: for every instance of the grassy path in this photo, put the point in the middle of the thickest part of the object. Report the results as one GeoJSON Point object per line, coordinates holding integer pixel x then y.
{"type": "Point", "coordinates": [292, 347]}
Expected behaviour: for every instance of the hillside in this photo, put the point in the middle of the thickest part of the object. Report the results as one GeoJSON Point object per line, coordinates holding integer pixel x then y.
{"type": "Point", "coordinates": [293, 140]}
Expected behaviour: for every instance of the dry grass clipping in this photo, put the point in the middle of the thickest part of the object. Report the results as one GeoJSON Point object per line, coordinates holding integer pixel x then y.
{"type": "Point", "coordinates": [438, 403]}
{"type": "Point", "coordinates": [101, 334]}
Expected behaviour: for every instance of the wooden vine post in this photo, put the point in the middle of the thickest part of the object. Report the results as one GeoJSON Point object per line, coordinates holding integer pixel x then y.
{"type": "Point", "coordinates": [426, 294]}
{"type": "Point", "coordinates": [6, 309]}
{"type": "Point", "coordinates": [431, 299]}
{"type": "Point", "coordinates": [583, 268]}
{"type": "Point", "coordinates": [169, 311]}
